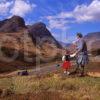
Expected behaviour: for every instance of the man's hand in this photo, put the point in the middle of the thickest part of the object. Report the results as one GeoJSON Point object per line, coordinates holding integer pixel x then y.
{"type": "Point", "coordinates": [73, 55]}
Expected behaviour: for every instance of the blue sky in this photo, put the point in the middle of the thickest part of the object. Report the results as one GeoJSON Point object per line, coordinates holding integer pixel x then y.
{"type": "Point", "coordinates": [64, 18]}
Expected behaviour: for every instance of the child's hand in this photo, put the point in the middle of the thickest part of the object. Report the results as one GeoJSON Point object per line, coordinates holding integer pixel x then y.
{"type": "Point", "coordinates": [63, 58]}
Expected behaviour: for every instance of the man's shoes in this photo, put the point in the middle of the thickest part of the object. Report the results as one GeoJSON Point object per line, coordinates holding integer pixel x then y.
{"type": "Point", "coordinates": [73, 73]}
{"type": "Point", "coordinates": [81, 75]}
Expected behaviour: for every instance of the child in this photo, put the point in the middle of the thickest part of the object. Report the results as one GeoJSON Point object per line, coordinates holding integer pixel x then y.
{"type": "Point", "coordinates": [66, 62]}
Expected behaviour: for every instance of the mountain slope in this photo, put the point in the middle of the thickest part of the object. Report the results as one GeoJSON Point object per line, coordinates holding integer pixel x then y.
{"type": "Point", "coordinates": [64, 44]}
{"type": "Point", "coordinates": [22, 45]}
{"type": "Point", "coordinates": [93, 40]}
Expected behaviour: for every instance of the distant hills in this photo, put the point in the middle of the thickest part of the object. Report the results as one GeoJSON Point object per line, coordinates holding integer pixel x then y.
{"type": "Point", "coordinates": [64, 44]}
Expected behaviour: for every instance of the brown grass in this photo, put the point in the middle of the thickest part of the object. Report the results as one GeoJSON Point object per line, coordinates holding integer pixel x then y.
{"type": "Point", "coordinates": [52, 87]}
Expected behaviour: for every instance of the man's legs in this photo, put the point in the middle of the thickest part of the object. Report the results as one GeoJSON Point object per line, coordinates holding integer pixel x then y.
{"type": "Point", "coordinates": [76, 70]}
{"type": "Point", "coordinates": [82, 70]}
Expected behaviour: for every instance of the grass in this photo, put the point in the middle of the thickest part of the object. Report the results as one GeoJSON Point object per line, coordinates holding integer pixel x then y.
{"type": "Point", "coordinates": [86, 88]}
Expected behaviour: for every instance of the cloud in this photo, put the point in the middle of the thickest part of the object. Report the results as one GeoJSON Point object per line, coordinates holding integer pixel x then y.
{"type": "Point", "coordinates": [87, 13]}
{"type": "Point", "coordinates": [4, 7]}
{"type": "Point", "coordinates": [81, 13]}
{"type": "Point", "coordinates": [57, 23]}
{"type": "Point", "coordinates": [22, 7]}
{"type": "Point", "coordinates": [16, 7]}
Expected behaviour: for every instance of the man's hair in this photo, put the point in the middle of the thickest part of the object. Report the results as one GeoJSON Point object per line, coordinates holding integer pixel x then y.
{"type": "Point", "coordinates": [79, 35]}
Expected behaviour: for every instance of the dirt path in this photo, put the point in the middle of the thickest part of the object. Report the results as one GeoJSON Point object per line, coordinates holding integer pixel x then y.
{"type": "Point", "coordinates": [45, 70]}
{"type": "Point", "coordinates": [95, 71]}
{"type": "Point", "coordinates": [38, 71]}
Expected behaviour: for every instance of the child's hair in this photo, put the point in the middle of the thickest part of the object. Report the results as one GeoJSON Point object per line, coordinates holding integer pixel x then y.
{"type": "Point", "coordinates": [67, 51]}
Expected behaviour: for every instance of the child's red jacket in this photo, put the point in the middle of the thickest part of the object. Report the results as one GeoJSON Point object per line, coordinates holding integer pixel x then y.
{"type": "Point", "coordinates": [66, 64]}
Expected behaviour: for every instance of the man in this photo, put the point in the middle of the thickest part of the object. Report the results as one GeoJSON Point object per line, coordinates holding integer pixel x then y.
{"type": "Point", "coordinates": [81, 54]}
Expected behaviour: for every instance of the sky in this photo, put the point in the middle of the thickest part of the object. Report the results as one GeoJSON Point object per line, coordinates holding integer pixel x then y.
{"type": "Point", "coordinates": [63, 18]}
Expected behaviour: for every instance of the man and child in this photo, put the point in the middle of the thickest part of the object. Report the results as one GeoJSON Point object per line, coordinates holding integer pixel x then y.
{"type": "Point", "coordinates": [81, 55]}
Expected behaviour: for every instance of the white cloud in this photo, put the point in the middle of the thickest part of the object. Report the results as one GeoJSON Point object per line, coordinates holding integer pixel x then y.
{"type": "Point", "coordinates": [16, 7]}
{"type": "Point", "coordinates": [81, 13]}
{"type": "Point", "coordinates": [87, 13]}
{"type": "Point", "coordinates": [4, 7]}
{"type": "Point", "coordinates": [22, 7]}
{"type": "Point", "coordinates": [57, 24]}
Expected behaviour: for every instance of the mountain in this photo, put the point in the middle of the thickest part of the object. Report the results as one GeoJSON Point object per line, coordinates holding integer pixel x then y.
{"type": "Point", "coordinates": [40, 33]}
{"type": "Point", "coordinates": [64, 44]}
{"type": "Point", "coordinates": [94, 35]}
{"type": "Point", "coordinates": [93, 42]}
{"type": "Point", "coordinates": [25, 45]}
{"type": "Point", "coordinates": [13, 24]}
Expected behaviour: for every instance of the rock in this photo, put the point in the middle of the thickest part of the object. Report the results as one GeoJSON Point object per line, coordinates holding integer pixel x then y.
{"type": "Point", "coordinates": [23, 73]}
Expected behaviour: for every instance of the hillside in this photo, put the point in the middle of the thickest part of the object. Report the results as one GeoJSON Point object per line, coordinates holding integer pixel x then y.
{"type": "Point", "coordinates": [64, 44]}
{"type": "Point", "coordinates": [93, 42]}
{"type": "Point", "coordinates": [23, 45]}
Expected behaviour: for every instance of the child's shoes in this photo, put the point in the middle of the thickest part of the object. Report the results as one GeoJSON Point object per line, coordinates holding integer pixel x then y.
{"type": "Point", "coordinates": [66, 72]}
